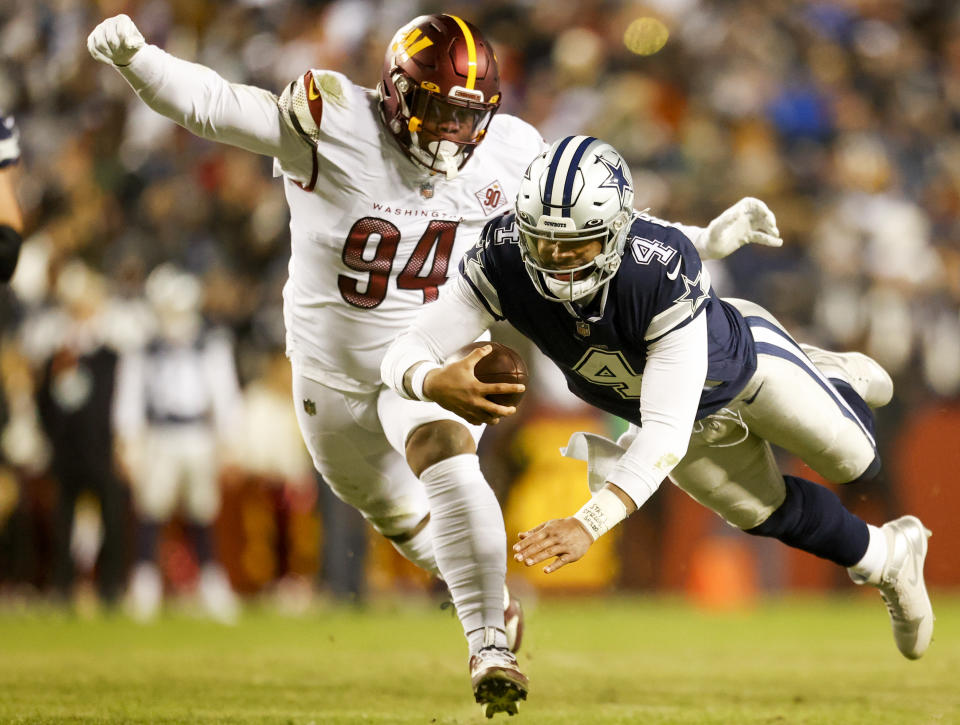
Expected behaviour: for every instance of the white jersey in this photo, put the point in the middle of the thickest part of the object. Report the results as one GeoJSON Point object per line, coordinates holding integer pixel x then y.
{"type": "Point", "coordinates": [374, 235]}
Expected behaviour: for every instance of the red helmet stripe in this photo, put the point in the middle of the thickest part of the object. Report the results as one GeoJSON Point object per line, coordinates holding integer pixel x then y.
{"type": "Point", "coordinates": [471, 53]}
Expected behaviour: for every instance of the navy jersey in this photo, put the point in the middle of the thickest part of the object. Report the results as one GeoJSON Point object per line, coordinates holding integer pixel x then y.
{"type": "Point", "coordinates": [602, 348]}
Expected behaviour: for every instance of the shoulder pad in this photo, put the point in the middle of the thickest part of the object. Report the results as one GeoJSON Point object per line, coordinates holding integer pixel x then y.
{"type": "Point", "coordinates": [301, 103]}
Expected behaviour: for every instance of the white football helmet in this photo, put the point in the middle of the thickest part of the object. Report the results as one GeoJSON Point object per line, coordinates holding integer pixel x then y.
{"type": "Point", "coordinates": [578, 191]}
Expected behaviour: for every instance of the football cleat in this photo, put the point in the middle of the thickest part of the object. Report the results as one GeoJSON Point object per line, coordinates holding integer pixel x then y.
{"type": "Point", "coordinates": [902, 587]}
{"type": "Point", "coordinates": [498, 683]}
{"type": "Point", "coordinates": [864, 374]}
{"type": "Point", "coordinates": [512, 620]}
{"type": "Point", "coordinates": [217, 596]}
{"type": "Point", "coordinates": [145, 594]}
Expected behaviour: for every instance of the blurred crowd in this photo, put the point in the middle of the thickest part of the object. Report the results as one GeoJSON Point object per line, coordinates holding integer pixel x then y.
{"type": "Point", "coordinates": [843, 116]}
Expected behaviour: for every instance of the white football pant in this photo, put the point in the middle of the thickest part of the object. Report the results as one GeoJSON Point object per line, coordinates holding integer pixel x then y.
{"type": "Point", "coordinates": [358, 442]}
{"type": "Point", "coordinates": [730, 468]}
{"type": "Point", "coordinates": [183, 467]}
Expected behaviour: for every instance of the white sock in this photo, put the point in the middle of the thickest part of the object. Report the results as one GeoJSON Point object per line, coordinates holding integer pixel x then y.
{"type": "Point", "coordinates": [870, 567]}
{"type": "Point", "coordinates": [486, 637]}
{"type": "Point", "coordinates": [419, 549]}
{"type": "Point", "coordinates": [469, 540]}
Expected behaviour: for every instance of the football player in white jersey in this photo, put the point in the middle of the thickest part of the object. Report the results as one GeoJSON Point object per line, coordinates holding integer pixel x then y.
{"type": "Point", "coordinates": [387, 189]}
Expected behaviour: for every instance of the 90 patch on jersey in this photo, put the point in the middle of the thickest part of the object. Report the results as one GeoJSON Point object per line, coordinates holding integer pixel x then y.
{"type": "Point", "coordinates": [491, 197]}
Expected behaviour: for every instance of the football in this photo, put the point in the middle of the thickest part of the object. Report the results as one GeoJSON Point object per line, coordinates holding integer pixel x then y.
{"type": "Point", "coordinates": [502, 365]}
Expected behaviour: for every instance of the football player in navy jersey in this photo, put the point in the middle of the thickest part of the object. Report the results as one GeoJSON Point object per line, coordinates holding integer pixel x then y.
{"type": "Point", "coordinates": [621, 302]}
{"type": "Point", "coordinates": [11, 218]}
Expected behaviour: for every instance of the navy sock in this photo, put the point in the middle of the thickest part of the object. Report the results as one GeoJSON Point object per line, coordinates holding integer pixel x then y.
{"type": "Point", "coordinates": [812, 518]}
{"type": "Point", "coordinates": [147, 534]}
{"type": "Point", "coordinates": [201, 537]}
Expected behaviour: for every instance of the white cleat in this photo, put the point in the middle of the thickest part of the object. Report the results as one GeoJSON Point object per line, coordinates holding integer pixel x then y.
{"type": "Point", "coordinates": [865, 375]}
{"type": "Point", "coordinates": [498, 683]}
{"type": "Point", "coordinates": [217, 595]}
{"type": "Point", "coordinates": [512, 620]}
{"type": "Point", "coordinates": [902, 587]}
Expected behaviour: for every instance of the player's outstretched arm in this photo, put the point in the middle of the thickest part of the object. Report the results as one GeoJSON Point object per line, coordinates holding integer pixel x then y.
{"type": "Point", "coordinates": [193, 95]}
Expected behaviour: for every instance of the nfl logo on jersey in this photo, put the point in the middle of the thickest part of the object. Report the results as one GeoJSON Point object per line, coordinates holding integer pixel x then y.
{"type": "Point", "coordinates": [491, 197]}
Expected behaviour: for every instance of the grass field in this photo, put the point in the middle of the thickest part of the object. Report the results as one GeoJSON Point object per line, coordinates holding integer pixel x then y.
{"type": "Point", "coordinates": [589, 661]}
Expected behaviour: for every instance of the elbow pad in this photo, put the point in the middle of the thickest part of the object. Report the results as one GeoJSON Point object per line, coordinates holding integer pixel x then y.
{"type": "Point", "coordinates": [10, 240]}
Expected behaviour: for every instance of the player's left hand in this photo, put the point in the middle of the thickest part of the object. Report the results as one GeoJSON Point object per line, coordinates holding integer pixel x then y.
{"type": "Point", "coordinates": [565, 539]}
{"type": "Point", "coordinates": [749, 221]}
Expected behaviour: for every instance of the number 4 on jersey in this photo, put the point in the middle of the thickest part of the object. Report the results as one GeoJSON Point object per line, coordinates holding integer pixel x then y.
{"type": "Point", "coordinates": [438, 238]}
{"type": "Point", "coordinates": [611, 369]}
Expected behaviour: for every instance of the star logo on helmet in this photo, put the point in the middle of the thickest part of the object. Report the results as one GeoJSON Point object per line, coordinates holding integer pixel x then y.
{"type": "Point", "coordinates": [617, 178]}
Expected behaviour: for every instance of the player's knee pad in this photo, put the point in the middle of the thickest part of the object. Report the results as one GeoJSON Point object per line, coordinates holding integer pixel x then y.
{"type": "Point", "coordinates": [870, 473]}
{"type": "Point", "coordinates": [437, 441]}
{"type": "Point", "coordinates": [10, 241]}
{"type": "Point", "coordinates": [853, 470]}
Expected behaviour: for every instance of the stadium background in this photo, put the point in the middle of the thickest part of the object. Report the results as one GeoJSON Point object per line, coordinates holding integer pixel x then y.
{"type": "Point", "coordinates": [842, 116]}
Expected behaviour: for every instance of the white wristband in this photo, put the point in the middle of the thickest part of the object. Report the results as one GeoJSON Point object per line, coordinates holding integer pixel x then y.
{"type": "Point", "coordinates": [416, 380]}
{"type": "Point", "coordinates": [601, 513]}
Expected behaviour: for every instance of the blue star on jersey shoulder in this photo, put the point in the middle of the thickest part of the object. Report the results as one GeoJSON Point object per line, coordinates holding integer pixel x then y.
{"type": "Point", "coordinates": [617, 178]}
{"type": "Point", "coordinates": [695, 291]}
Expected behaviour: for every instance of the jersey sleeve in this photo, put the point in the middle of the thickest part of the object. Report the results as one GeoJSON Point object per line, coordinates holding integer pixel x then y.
{"type": "Point", "coordinates": [672, 268]}
{"type": "Point", "coordinates": [208, 105]}
{"type": "Point", "coordinates": [479, 267]}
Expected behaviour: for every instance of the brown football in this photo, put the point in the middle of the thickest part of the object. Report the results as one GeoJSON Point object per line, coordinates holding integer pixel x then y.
{"type": "Point", "coordinates": [502, 365]}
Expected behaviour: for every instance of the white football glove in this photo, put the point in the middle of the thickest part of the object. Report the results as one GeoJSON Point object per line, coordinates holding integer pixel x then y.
{"type": "Point", "coordinates": [749, 221]}
{"type": "Point", "coordinates": [116, 40]}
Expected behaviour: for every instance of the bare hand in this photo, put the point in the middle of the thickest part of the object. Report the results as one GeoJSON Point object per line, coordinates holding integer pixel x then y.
{"type": "Point", "coordinates": [456, 388]}
{"type": "Point", "coordinates": [565, 539]}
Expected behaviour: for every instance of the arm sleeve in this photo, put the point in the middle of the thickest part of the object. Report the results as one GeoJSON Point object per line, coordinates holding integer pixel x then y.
{"type": "Point", "coordinates": [209, 106]}
{"type": "Point", "coordinates": [443, 327]}
{"type": "Point", "coordinates": [670, 392]}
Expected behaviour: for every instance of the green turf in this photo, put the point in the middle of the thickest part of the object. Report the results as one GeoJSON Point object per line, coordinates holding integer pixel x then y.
{"type": "Point", "coordinates": [589, 661]}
